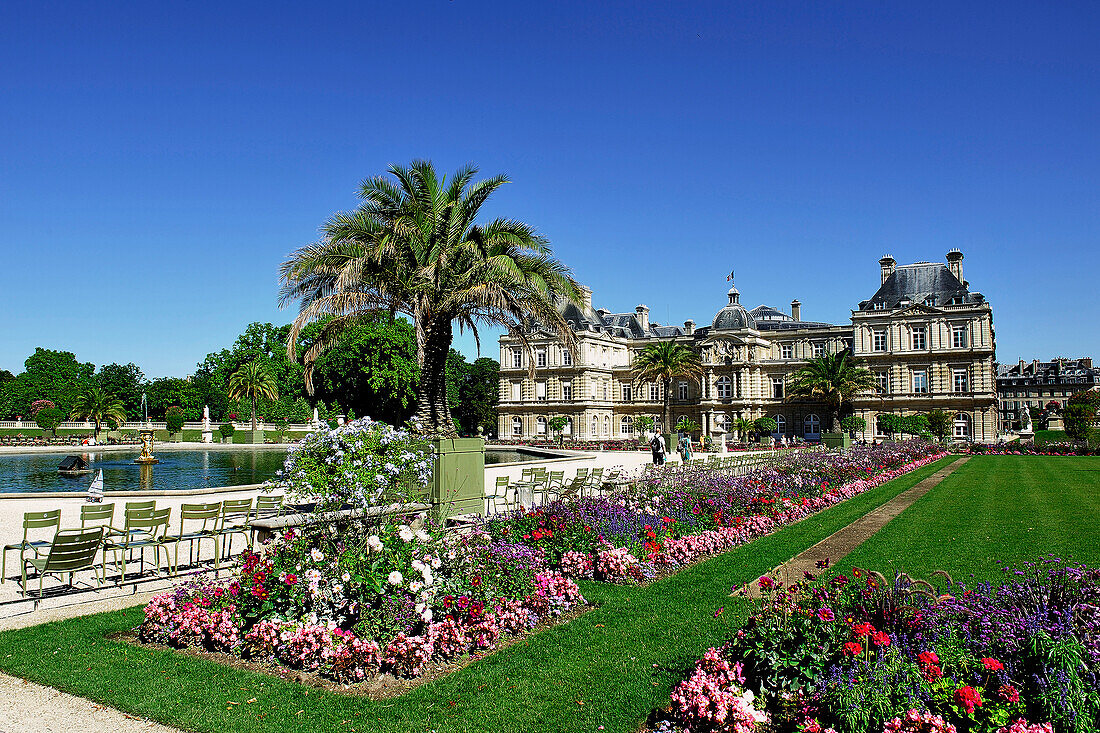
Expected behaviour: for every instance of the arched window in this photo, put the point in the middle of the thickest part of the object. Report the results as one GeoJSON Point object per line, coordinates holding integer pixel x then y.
{"type": "Point", "coordinates": [595, 427]}
{"type": "Point", "coordinates": [540, 425]}
{"type": "Point", "coordinates": [517, 426]}
{"type": "Point", "coordinates": [780, 424]}
{"type": "Point", "coordinates": [724, 422]}
{"type": "Point", "coordinates": [812, 427]}
{"type": "Point", "coordinates": [725, 388]}
{"type": "Point", "coordinates": [879, 429]}
{"type": "Point", "coordinates": [962, 426]}
{"type": "Point", "coordinates": [606, 425]}
{"type": "Point", "coordinates": [568, 428]}
{"type": "Point", "coordinates": [626, 426]}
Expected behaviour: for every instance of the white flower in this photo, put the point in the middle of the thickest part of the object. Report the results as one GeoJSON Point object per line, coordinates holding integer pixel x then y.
{"type": "Point", "coordinates": [395, 578]}
{"type": "Point", "coordinates": [422, 535]}
{"type": "Point", "coordinates": [337, 589]}
{"type": "Point", "coordinates": [427, 615]}
{"type": "Point", "coordinates": [416, 586]}
{"type": "Point", "coordinates": [316, 555]}
{"type": "Point", "coordinates": [405, 533]}
{"type": "Point", "coordinates": [345, 577]}
{"type": "Point", "coordinates": [374, 543]}
{"type": "Point", "coordinates": [436, 563]}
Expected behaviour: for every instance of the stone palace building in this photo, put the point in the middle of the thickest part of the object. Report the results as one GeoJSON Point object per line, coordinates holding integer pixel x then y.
{"type": "Point", "coordinates": [925, 335]}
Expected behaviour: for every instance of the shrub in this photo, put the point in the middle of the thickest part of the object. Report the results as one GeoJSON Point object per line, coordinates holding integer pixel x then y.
{"type": "Point", "coordinates": [48, 418]}
{"type": "Point", "coordinates": [853, 424]}
{"type": "Point", "coordinates": [765, 425]}
{"type": "Point", "coordinates": [40, 405]}
{"type": "Point", "coordinates": [227, 430]}
{"type": "Point", "coordinates": [174, 418]}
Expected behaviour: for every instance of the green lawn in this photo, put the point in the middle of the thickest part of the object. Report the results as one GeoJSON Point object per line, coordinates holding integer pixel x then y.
{"type": "Point", "coordinates": [1007, 508]}
{"type": "Point", "coordinates": [608, 668]}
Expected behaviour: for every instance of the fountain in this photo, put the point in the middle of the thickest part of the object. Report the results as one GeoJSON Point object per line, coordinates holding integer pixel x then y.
{"type": "Point", "coordinates": [146, 458]}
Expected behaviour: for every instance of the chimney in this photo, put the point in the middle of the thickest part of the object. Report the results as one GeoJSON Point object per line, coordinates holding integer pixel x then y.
{"type": "Point", "coordinates": [955, 264]}
{"type": "Point", "coordinates": [1086, 362]}
{"type": "Point", "coordinates": [796, 310]}
{"type": "Point", "coordinates": [642, 314]}
{"type": "Point", "coordinates": [586, 295]}
{"type": "Point", "coordinates": [888, 264]}
{"type": "Point", "coordinates": [1021, 367]}
{"type": "Point", "coordinates": [689, 327]}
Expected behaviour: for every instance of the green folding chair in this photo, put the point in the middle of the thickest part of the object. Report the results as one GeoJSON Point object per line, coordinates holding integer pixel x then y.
{"type": "Point", "coordinates": [198, 522]}
{"type": "Point", "coordinates": [92, 514]}
{"type": "Point", "coordinates": [143, 529]}
{"type": "Point", "coordinates": [500, 494]}
{"type": "Point", "coordinates": [72, 550]}
{"type": "Point", "coordinates": [50, 520]}
{"type": "Point", "coordinates": [236, 518]}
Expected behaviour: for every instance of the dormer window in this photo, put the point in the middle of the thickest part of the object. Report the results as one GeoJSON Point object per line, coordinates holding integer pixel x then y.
{"type": "Point", "coordinates": [930, 301]}
{"type": "Point", "coordinates": [879, 306]}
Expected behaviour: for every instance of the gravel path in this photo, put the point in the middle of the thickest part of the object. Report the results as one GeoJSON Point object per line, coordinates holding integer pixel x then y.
{"type": "Point", "coordinates": [29, 708]}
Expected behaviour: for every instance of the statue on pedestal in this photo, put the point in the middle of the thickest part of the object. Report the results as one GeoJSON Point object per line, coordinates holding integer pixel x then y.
{"type": "Point", "coordinates": [1025, 420]}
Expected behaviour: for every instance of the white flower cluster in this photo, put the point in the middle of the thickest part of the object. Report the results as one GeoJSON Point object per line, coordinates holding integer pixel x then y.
{"type": "Point", "coordinates": [356, 463]}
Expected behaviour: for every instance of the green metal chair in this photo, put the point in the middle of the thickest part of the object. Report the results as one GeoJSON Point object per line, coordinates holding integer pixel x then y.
{"type": "Point", "coordinates": [50, 520]}
{"type": "Point", "coordinates": [141, 505]}
{"type": "Point", "coordinates": [204, 520]}
{"type": "Point", "coordinates": [92, 514]}
{"type": "Point", "coordinates": [595, 480]}
{"type": "Point", "coordinates": [72, 550]}
{"type": "Point", "coordinates": [269, 506]}
{"type": "Point", "coordinates": [236, 518]}
{"type": "Point", "coordinates": [143, 529]}
{"type": "Point", "coordinates": [500, 494]}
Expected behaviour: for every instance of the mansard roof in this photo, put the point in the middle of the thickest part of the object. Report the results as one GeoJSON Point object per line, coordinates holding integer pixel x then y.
{"type": "Point", "coordinates": [916, 283]}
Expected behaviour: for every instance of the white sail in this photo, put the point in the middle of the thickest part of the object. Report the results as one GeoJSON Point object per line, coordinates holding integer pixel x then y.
{"type": "Point", "coordinates": [95, 491]}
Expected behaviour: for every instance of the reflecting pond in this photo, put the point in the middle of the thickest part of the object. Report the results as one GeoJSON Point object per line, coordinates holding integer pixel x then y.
{"type": "Point", "coordinates": [178, 469]}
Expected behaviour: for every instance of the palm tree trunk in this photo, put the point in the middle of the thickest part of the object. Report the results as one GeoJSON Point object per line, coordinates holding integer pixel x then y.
{"type": "Point", "coordinates": [666, 426]}
{"type": "Point", "coordinates": [433, 415]}
{"type": "Point", "coordinates": [253, 413]}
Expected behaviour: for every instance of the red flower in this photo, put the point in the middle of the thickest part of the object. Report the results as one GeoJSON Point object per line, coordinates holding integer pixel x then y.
{"type": "Point", "coordinates": [766, 583]}
{"type": "Point", "coordinates": [992, 664]}
{"type": "Point", "coordinates": [933, 672]}
{"type": "Point", "coordinates": [969, 698]}
{"type": "Point", "coordinates": [291, 578]}
{"type": "Point", "coordinates": [881, 639]}
{"type": "Point", "coordinates": [928, 658]}
{"type": "Point", "coordinates": [863, 629]}
{"type": "Point", "coordinates": [853, 649]}
{"type": "Point", "coordinates": [1008, 693]}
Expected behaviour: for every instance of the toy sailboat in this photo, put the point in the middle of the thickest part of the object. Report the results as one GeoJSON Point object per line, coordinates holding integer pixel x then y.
{"type": "Point", "coordinates": [95, 491]}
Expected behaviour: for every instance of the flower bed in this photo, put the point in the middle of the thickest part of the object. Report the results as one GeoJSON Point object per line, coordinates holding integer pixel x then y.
{"type": "Point", "coordinates": [394, 602]}
{"type": "Point", "coordinates": [676, 517]}
{"type": "Point", "coordinates": [859, 654]}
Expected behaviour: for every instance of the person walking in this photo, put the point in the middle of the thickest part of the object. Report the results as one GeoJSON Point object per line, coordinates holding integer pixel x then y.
{"type": "Point", "coordinates": [657, 445]}
{"type": "Point", "coordinates": [685, 448]}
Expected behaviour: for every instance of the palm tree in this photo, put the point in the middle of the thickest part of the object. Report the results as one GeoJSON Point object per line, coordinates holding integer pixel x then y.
{"type": "Point", "coordinates": [743, 426]}
{"type": "Point", "coordinates": [100, 407]}
{"type": "Point", "coordinates": [252, 381]}
{"type": "Point", "coordinates": [412, 247]}
{"type": "Point", "coordinates": [662, 362]}
{"type": "Point", "coordinates": [832, 379]}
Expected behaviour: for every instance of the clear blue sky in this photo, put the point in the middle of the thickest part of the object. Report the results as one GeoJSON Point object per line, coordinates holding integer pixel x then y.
{"type": "Point", "coordinates": [158, 161]}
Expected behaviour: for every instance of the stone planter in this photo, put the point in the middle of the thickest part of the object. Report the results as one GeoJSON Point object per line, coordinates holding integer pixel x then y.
{"type": "Point", "coordinates": [836, 440]}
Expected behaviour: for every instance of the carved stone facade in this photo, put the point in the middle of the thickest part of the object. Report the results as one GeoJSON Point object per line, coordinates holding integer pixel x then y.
{"type": "Point", "coordinates": [929, 337]}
